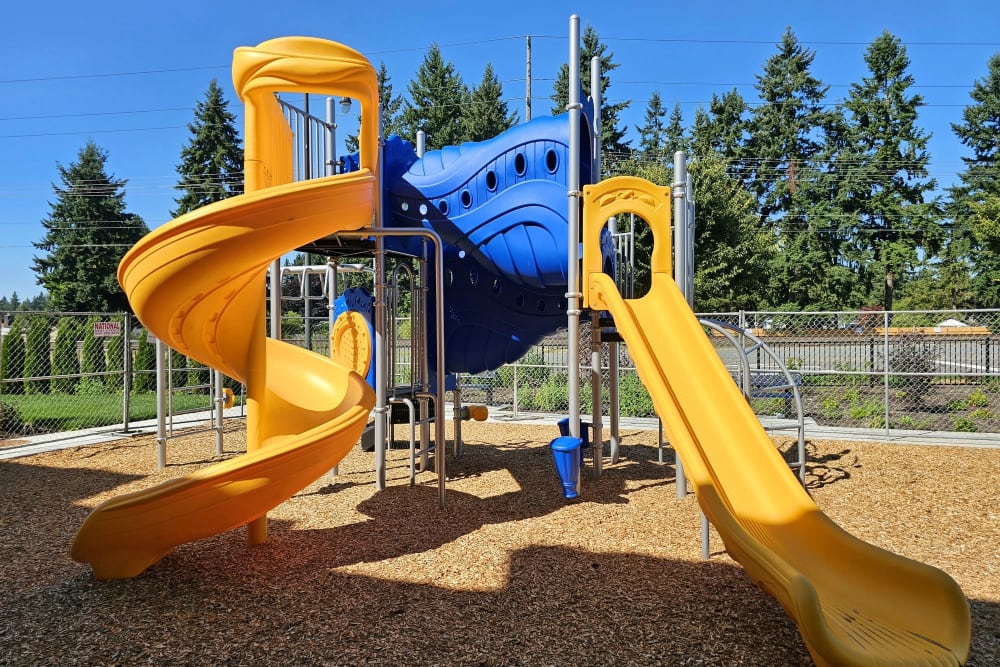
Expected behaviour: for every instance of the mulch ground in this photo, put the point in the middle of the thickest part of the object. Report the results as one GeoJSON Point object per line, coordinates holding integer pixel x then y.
{"type": "Point", "coordinates": [509, 573]}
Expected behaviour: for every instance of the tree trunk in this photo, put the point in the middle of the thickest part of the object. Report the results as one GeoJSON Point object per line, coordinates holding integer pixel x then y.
{"type": "Point", "coordinates": [890, 288]}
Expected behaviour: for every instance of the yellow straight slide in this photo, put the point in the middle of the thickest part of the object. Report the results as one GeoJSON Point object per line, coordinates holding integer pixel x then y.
{"type": "Point", "coordinates": [198, 284]}
{"type": "Point", "coordinates": [854, 603]}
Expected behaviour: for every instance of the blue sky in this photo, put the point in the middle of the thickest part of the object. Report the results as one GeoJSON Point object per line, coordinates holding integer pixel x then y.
{"type": "Point", "coordinates": [128, 74]}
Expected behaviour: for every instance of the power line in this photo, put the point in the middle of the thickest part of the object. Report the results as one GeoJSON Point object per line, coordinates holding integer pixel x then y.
{"type": "Point", "coordinates": [99, 75]}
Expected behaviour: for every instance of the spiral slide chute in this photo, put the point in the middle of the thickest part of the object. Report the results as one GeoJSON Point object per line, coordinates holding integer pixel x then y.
{"type": "Point", "coordinates": [854, 603]}
{"type": "Point", "coordinates": [197, 283]}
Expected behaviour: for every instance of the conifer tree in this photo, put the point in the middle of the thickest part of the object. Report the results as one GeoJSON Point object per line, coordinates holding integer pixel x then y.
{"type": "Point", "coordinates": [612, 136]}
{"type": "Point", "coordinates": [974, 201]}
{"type": "Point", "coordinates": [652, 133]}
{"type": "Point", "coordinates": [86, 235]}
{"type": "Point", "coordinates": [722, 130]}
{"type": "Point", "coordinates": [211, 167]}
{"type": "Point", "coordinates": [675, 138]}
{"type": "Point", "coordinates": [435, 104]}
{"type": "Point", "coordinates": [390, 106]}
{"type": "Point", "coordinates": [785, 130]}
{"type": "Point", "coordinates": [485, 114]}
{"type": "Point", "coordinates": [887, 190]}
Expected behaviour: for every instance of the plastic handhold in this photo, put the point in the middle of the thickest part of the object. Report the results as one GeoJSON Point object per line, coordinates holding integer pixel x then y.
{"type": "Point", "coordinates": [566, 455]}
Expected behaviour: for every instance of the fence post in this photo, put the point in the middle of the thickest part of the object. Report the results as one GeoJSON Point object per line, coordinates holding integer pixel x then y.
{"type": "Point", "coordinates": [162, 385]}
{"type": "Point", "coordinates": [885, 338]}
{"type": "Point", "coordinates": [126, 373]}
{"type": "Point", "coordinates": [987, 364]}
{"type": "Point", "coordinates": [871, 360]}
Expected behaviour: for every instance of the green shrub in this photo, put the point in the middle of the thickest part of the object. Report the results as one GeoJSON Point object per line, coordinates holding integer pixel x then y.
{"type": "Point", "coordinates": [144, 366]}
{"type": "Point", "coordinates": [633, 398]}
{"type": "Point", "coordinates": [11, 421]}
{"type": "Point", "coordinates": [965, 425]}
{"type": "Point", "coordinates": [178, 368]}
{"type": "Point", "coordinates": [977, 399]}
{"type": "Point", "coordinates": [12, 357]}
{"type": "Point", "coordinates": [553, 394]}
{"type": "Point", "coordinates": [93, 360]}
{"type": "Point", "coordinates": [116, 359]}
{"type": "Point", "coordinates": [37, 359]}
{"type": "Point", "coordinates": [64, 359]}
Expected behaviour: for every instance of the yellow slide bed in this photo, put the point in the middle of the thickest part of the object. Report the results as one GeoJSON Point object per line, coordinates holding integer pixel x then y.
{"type": "Point", "coordinates": [854, 603]}
{"type": "Point", "coordinates": [198, 284]}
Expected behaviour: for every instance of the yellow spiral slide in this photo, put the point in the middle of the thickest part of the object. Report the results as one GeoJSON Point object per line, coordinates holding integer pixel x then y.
{"type": "Point", "coordinates": [854, 603]}
{"type": "Point", "coordinates": [198, 284]}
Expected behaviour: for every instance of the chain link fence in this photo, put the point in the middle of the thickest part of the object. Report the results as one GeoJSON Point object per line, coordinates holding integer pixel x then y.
{"type": "Point", "coordinates": [927, 370]}
{"type": "Point", "coordinates": [62, 372]}
{"type": "Point", "coordinates": [921, 370]}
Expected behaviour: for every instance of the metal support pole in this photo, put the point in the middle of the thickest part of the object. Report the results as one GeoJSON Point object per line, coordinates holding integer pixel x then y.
{"type": "Point", "coordinates": [161, 405]}
{"type": "Point", "coordinates": [220, 409]}
{"type": "Point", "coordinates": [382, 374]}
{"type": "Point", "coordinates": [424, 362]}
{"type": "Point", "coordinates": [127, 372]}
{"type": "Point", "coordinates": [307, 329]}
{"type": "Point", "coordinates": [306, 141]}
{"type": "Point", "coordinates": [439, 423]}
{"type": "Point", "coordinates": [274, 279]}
{"type": "Point", "coordinates": [331, 137]}
{"type": "Point", "coordinates": [573, 218]}
{"type": "Point", "coordinates": [421, 143]}
{"type": "Point", "coordinates": [597, 405]}
{"type": "Point", "coordinates": [680, 265]}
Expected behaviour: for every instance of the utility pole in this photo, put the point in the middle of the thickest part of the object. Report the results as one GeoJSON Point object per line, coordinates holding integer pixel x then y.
{"type": "Point", "coordinates": [527, 99]}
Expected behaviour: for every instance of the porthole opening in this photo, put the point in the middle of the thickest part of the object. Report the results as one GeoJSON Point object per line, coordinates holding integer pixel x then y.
{"type": "Point", "coordinates": [519, 300]}
{"type": "Point", "coordinates": [491, 180]}
{"type": "Point", "coordinates": [443, 206]}
{"type": "Point", "coordinates": [541, 305]}
{"type": "Point", "coordinates": [466, 198]}
{"type": "Point", "coordinates": [520, 164]}
{"type": "Point", "coordinates": [551, 161]}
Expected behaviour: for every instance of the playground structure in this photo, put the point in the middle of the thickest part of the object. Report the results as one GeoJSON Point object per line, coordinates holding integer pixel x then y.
{"type": "Point", "coordinates": [197, 283]}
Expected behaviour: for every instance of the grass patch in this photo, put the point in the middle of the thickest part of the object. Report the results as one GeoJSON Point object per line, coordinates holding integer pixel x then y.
{"type": "Point", "coordinates": [52, 413]}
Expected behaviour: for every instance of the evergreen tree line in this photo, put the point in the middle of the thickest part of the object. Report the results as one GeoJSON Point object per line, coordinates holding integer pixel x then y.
{"type": "Point", "coordinates": [802, 202]}
{"type": "Point", "coordinates": [805, 204]}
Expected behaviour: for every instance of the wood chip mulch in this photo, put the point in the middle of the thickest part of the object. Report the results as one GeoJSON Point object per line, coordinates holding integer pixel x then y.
{"type": "Point", "coordinates": [510, 573]}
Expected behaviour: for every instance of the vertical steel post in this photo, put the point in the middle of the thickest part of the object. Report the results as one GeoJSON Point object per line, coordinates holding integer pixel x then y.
{"type": "Point", "coordinates": [331, 298]}
{"type": "Point", "coordinates": [161, 405]}
{"type": "Point", "coordinates": [382, 374]}
{"type": "Point", "coordinates": [680, 265]}
{"type": "Point", "coordinates": [127, 372]}
{"type": "Point", "coordinates": [573, 218]}
{"type": "Point", "coordinates": [331, 137]}
{"type": "Point", "coordinates": [220, 408]}
{"type": "Point", "coordinates": [597, 405]}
